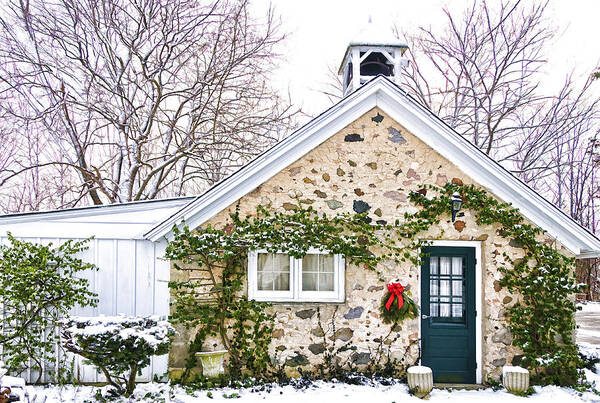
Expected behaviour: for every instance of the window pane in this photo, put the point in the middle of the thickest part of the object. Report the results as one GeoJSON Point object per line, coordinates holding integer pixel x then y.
{"type": "Point", "coordinates": [433, 265]}
{"type": "Point", "coordinates": [444, 265]}
{"type": "Point", "coordinates": [434, 309]}
{"type": "Point", "coordinates": [309, 281]}
{"type": "Point", "coordinates": [273, 272]}
{"type": "Point", "coordinates": [434, 287]}
{"type": "Point", "coordinates": [281, 262]}
{"type": "Point", "coordinates": [326, 263]}
{"type": "Point", "coordinates": [310, 263]}
{"type": "Point", "coordinates": [281, 281]}
{"type": "Point", "coordinates": [444, 287]}
{"type": "Point", "coordinates": [445, 310]}
{"type": "Point", "coordinates": [326, 282]}
{"type": "Point", "coordinates": [264, 281]}
{"type": "Point", "coordinates": [273, 262]}
{"type": "Point", "coordinates": [457, 265]}
{"type": "Point", "coordinates": [457, 287]}
{"type": "Point", "coordinates": [457, 310]}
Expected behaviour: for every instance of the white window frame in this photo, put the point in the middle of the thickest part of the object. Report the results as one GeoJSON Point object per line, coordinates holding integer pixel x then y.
{"type": "Point", "coordinates": [295, 294]}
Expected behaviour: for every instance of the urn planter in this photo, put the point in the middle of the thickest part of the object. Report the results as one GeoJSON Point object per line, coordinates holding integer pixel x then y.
{"type": "Point", "coordinates": [420, 380]}
{"type": "Point", "coordinates": [515, 379]}
{"type": "Point", "coordinates": [212, 362]}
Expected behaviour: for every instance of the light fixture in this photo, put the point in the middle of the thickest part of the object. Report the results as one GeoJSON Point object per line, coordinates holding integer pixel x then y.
{"type": "Point", "coordinates": [456, 204]}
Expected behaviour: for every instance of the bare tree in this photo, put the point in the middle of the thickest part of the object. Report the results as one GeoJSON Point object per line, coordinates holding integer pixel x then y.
{"type": "Point", "coordinates": [481, 73]}
{"type": "Point", "coordinates": [136, 99]}
{"type": "Point", "coordinates": [482, 76]}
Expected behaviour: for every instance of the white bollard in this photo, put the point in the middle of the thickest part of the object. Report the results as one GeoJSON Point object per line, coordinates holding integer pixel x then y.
{"type": "Point", "coordinates": [515, 379]}
{"type": "Point", "coordinates": [420, 380]}
{"type": "Point", "coordinates": [212, 362]}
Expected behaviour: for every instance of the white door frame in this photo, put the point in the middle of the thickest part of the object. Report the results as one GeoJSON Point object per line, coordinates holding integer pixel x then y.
{"type": "Point", "coordinates": [478, 297]}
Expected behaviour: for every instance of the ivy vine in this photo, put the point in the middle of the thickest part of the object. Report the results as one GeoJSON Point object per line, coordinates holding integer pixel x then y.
{"type": "Point", "coordinates": [211, 300]}
{"type": "Point", "coordinates": [542, 281]}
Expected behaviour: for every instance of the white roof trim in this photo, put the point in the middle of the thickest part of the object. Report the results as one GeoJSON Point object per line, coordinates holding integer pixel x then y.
{"type": "Point", "coordinates": [418, 120]}
{"type": "Point", "coordinates": [105, 209]}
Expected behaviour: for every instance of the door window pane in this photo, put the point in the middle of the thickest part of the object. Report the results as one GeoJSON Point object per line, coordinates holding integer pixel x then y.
{"type": "Point", "coordinates": [457, 266]}
{"type": "Point", "coordinates": [457, 310]}
{"type": "Point", "coordinates": [434, 287]}
{"type": "Point", "coordinates": [433, 265]}
{"type": "Point", "coordinates": [273, 272]}
{"type": "Point", "coordinates": [444, 310]}
{"type": "Point", "coordinates": [446, 286]}
{"type": "Point", "coordinates": [457, 287]}
{"type": "Point", "coordinates": [444, 265]}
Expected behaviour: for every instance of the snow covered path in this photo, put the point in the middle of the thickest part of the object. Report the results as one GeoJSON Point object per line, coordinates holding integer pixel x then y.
{"type": "Point", "coordinates": [588, 337]}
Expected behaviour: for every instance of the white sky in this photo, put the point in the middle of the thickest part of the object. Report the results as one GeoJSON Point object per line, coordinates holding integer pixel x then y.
{"type": "Point", "coordinates": [321, 29]}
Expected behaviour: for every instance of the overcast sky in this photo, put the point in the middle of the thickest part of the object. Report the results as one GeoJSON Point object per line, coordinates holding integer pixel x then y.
{"type": "Point", "coordinates": [320, 31]}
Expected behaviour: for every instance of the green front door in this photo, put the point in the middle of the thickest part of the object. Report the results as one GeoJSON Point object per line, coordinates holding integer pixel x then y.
{"type": "Point", "coordinates": [448, 313]}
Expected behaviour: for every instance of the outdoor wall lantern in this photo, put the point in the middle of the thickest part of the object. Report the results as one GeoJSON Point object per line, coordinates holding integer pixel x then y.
{"type": "Point", "coordinates": [456, 204]}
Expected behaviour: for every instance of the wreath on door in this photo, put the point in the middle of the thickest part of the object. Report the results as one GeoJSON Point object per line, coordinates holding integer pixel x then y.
{"type": "Point", "coordinates": [397, 305]}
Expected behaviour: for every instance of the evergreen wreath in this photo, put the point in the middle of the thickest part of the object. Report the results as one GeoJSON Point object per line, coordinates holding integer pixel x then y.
{"type": "Point", "coordinates": [394, 310]}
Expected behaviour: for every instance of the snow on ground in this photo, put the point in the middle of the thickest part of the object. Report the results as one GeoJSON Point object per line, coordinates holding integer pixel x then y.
{"type": "Point", "coordinates": [590, 307]}
{"type": "Point", "coordinates": [332, 392]}
{"type": "Point", "coordinates": [328, 392]}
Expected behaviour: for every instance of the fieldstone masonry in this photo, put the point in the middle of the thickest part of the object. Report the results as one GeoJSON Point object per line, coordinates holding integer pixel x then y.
{"type": "Point", "coordinates": [371, 166]}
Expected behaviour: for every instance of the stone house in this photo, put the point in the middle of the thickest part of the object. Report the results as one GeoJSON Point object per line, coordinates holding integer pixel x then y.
{"type": "Point", "coordinates": [367, 153]}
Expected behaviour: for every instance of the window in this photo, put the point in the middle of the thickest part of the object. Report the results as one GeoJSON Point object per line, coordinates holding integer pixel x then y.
{"type": "Point", "coordinates": [446, 287]}
{"type": "Point", "coordinates": [278, 277]}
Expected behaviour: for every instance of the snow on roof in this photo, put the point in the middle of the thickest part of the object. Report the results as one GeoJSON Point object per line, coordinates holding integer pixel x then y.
{"type": "Point", "coordinates": [376, 35]}
{"type": "Point", "coordinates": [119, 221]}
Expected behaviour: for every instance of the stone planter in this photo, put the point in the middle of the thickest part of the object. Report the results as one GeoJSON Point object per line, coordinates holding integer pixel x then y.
{"type": "Point", "coordinates": [420, 380]}
{"type": "Point", "coordinates": [515, 379]}
{"type": "Point", "coordinates": [212, 362]}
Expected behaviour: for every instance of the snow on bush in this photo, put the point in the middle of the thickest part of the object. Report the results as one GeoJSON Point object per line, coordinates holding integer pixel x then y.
{"type": "Point", "coordinates": [119, 346]}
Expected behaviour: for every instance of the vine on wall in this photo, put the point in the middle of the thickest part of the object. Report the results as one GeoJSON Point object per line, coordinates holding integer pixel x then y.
{"type": "Point", "coordinates": [543, 281]}
{"type": "Point", "coordinates": [211, 300]}
{"type": "Point", "coordinates": [541, 321]}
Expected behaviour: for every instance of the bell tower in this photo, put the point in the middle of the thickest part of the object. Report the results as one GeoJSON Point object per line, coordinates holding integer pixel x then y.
{"type": "Point", "coordinates": [371, 53]}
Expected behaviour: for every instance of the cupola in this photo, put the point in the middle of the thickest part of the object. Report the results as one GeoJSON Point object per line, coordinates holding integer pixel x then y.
{"type": "Point", "coordinates": [373, 52]}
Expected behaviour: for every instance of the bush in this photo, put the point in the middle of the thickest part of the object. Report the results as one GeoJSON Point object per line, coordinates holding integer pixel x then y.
{"type": "Point", "coordinates": [38, 286]}
{"type": "Point", "coordinates": [119, 346]}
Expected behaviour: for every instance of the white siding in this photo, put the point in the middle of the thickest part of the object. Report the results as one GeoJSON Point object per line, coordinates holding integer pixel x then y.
{"type": "Point", "coordinates": [131, 279]}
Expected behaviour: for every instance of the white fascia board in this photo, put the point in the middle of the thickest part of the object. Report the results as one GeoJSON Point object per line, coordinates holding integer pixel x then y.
{"type": "Point", "coordinates": [269, 164]}
{"type": "Point", "coordinates": [91, 211]}
{"type": "Point", "coordinates": [485, 171]}
{"type": "Point", "coordinates": [62, 230]}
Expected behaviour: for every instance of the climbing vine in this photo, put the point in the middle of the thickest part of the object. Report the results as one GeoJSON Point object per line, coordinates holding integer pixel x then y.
{"type": "Point", "coordinates": [541, 320]}
{"type": "Point", "coordinates": [210, 299]}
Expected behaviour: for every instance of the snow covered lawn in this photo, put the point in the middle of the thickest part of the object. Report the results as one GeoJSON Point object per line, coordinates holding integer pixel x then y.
{"type": "Point", "coordinates": [320, 392]}
{"type": "Point", "coordinates": [331, 392]}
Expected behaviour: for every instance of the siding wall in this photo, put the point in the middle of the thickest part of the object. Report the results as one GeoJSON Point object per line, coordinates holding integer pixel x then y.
{"type": "Point", "coordinates": [132, 279]}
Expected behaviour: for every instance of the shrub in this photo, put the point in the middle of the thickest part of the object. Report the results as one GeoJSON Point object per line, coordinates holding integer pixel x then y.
{"type": "Point", "coordinates": [38, 286]}
{"type": "Point", "coordinates": [119, 346]}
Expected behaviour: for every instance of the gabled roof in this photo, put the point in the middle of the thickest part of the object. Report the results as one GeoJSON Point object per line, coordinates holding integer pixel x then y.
{"type": "Point", "coordinates": [418, 120]}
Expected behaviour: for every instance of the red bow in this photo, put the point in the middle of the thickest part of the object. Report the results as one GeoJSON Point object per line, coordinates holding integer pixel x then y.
{"type": "Point", "coordinates": [395, 289]}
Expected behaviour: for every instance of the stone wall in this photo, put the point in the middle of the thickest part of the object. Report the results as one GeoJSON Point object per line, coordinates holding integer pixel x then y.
{"type": "Point", "coordinates": [372, 165]}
